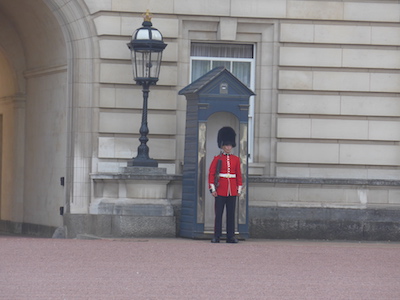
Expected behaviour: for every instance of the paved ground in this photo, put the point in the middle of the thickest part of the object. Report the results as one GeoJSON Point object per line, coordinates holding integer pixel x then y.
{"type": "Point", "coordinates": [35, 268]}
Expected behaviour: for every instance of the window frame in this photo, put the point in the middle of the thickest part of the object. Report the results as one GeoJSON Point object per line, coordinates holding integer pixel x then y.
{"type": "Point", "coordinates": [252, 62]}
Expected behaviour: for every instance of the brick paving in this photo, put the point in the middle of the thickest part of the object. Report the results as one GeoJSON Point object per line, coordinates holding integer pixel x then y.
{"type": "Point", "coordinates": [37, 268]}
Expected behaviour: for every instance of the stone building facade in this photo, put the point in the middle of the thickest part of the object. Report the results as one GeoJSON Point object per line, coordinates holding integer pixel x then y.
{"type": "Point", "coordinates": [325, 129]}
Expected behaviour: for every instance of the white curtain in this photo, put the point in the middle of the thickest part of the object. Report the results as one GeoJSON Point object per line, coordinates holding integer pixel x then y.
{"type": "Point", "coordinates": [222, 50]}
{"type": "Point", "coordinates": [241, 69]}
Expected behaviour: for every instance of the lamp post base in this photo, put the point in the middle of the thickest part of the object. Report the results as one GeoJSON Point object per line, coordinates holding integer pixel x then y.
{"type": "Point", "coordinates": [139, 162]}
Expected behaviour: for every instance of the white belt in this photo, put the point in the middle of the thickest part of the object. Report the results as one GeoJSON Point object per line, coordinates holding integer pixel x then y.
{"type": "Point", "coordinates": [227, 175]}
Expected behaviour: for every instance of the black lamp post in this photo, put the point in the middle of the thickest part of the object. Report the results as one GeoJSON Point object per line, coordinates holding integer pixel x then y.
{"type": "Point", "coordinates": [146, 48]}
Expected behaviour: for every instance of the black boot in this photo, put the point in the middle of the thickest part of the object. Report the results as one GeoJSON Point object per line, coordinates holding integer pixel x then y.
{"type": "Point", "coordinates": [232, 241]}
{"type": "Point", "coordinates": [215, 240]}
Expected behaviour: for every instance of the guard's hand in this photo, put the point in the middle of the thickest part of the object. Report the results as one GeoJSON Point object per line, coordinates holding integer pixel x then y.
{"type": "Point", "coordinates": [214, 194]}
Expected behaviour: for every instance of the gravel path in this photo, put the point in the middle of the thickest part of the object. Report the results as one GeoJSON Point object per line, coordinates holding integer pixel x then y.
{"type": "Point", "coordinates": [36, 268]}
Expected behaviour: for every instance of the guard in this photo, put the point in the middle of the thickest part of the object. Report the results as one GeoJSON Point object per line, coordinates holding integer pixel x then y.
{"type": "Point", "coordinates": [225, 184]}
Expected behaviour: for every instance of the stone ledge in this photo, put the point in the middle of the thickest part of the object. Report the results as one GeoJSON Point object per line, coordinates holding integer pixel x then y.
{"type": "Point", "coordinates": [324, 223]}
{"type": "Point", "coordinates": [135, 176]}
{"type": "Point", "coordinates": [111, 226]}
{"type": "Point", "coordinates": [327, 181]}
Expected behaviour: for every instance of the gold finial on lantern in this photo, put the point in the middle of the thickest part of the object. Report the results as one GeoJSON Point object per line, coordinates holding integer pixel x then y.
{"type": "Point", "coordinates": [147, 16]}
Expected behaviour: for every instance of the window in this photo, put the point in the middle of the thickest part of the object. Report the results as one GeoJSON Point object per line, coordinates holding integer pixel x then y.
{"type": "Point", "coordinates": [237, 58]}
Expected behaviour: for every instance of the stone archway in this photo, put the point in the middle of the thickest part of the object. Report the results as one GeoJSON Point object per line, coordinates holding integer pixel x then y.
{"type": "Point", "coordinates": [47, 113]}
{"type": "Point", "coordinates": [12, 116]}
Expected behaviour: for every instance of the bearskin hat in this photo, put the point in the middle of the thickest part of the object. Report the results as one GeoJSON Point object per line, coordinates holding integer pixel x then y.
{"type": "Point", "coordinates": [226, 136]}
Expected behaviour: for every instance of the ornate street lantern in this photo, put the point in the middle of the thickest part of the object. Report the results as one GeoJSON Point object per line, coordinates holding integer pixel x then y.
{"type": "Point", "coordinates": [146, 48]}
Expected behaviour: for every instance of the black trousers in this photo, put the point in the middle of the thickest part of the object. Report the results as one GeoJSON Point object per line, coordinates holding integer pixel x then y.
{"type": "Point", "coordinates": [220, 203]}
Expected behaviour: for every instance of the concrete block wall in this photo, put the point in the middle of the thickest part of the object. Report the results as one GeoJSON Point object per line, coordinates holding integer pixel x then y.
{"type": "Point", "coordinates": [327, 82]}
{"type": "Point", "coordinates": [338, 100]}
{"type": "Point", "coordinates": [327, 85]}
{"type": "Point", "coordinates": [337, 120]}
{"type": "Point", "coordinates": [121, 101]}
{"type": "Point", "coordinates": [327, 79]}
{"type": "Point", "coordinates": [324, 208]}
{"type": "Point", "coordinates": [326, 106]}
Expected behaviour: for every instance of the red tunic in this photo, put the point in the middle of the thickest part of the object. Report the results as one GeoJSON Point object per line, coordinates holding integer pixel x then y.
{"type": "Point", "coordinates": [230, 180]}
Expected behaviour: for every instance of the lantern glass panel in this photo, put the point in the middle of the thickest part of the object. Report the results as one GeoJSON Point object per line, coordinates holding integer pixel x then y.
{"type": "Point", "coordinates": [142, 34]}
{"type": "Point", "coordinates": [146, 52]}
{"type": "Point", "coordinates": [156, 35]}
{"type": "Point", "coordinates": [146, 64]}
